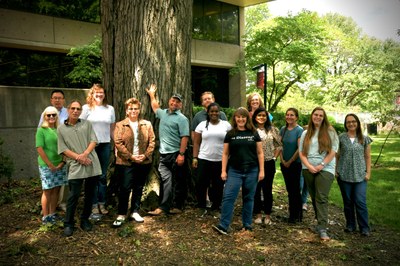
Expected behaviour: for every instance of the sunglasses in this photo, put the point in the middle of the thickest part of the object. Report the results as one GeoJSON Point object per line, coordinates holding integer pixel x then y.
{"type": "Point", "coordinates": [75, 108]}
{"type": "Point", "coordinates": [51, 115]}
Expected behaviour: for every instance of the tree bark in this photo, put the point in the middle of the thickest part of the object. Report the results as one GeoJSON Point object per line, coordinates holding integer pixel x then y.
{"type": "Point", "coordinates": [146, 42]}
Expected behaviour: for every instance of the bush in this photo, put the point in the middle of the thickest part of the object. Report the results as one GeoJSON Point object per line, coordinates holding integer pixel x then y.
{"type": "Point", "coordinates": [6, 164]}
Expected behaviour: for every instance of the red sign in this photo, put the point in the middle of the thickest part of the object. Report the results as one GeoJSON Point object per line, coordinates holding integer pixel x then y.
{"type": "Point", "coordinates": [260, 80]}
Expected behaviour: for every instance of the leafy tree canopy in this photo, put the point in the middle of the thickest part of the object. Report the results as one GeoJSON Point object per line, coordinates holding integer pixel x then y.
{"type": "Point", "coordinates": [293, 49]}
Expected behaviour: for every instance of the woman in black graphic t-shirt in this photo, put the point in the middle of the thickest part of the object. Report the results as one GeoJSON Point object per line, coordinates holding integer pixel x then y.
{"type": "Point", "coordinates": [242, 166]}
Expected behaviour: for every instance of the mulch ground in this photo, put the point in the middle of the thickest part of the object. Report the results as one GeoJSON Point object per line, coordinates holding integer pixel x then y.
{"type": "Point", "coordinates": [184, 239]}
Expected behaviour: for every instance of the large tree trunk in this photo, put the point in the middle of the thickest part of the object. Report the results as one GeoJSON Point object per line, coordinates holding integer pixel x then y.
{"type": "Point", "coordinates": [146, 42]}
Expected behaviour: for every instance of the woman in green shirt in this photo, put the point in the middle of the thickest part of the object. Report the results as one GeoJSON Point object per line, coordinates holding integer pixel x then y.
{"type": "Point", "coordinates": [52, 168]}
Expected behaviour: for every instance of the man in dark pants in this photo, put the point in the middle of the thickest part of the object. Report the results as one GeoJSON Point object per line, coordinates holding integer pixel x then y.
{"type": "Point", "coordinates": [174, 137]}
{"type": "Point", "coordinates": [77, 140]}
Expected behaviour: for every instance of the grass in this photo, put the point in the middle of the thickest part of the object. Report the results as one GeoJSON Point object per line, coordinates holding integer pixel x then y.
{"type": "Point", "coordinates": [383, 193]}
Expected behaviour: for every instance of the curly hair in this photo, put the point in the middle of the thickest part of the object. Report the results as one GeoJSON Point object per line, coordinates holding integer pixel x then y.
{"type": "Point", "coordinates": [251, 95]}
{"type": "Point", "coordinates": [132, 101]}
{"type": "Point", "coordinates": [90, 98]}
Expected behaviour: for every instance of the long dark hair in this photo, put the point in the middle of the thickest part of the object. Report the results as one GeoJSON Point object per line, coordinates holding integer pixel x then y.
{"type": "Point", "coordinates": [208, 110]}
{"type": "Point", "coordinates": [358, 129]}
{"type": "Point", "coordinates": [267, 124]}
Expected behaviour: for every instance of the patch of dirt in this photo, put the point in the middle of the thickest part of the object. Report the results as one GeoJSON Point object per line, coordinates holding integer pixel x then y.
{"type": "Point", "coordinates": [185, 239]}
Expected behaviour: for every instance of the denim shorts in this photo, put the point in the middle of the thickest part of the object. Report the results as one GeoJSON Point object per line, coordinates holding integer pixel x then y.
{"type": "Point", "coordinates": [53, 179]}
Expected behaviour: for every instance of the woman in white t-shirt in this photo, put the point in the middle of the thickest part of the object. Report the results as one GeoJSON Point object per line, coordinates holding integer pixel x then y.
{"type": "Point", "coordinates": [102, 117]}
{"type": "Point", "coordinates": [207, 157]}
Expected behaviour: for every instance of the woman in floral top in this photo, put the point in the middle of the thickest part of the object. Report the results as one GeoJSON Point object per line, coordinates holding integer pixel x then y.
{"type": "Point", "coordinates": [271, 145]}
{"type": "Point", "coordinates": [353, 173]}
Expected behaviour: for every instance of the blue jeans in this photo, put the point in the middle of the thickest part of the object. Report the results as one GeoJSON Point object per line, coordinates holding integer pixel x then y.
{"type": "Point", "coordinates": [355, 203]}
{"type": "Point", "coordinates": [103, 151]}
{"type": "Point", "coordinates": [247, 180]}
{"type": "Point", "coordinates": [303, 189]}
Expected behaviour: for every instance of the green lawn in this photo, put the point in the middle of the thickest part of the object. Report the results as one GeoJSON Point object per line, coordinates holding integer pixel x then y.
{"type": "Point", "coordinates": [383, 195]}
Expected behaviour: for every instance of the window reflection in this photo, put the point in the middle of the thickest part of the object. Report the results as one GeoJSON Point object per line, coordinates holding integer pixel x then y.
{"type": "Point", "coordinates": [215, 21]}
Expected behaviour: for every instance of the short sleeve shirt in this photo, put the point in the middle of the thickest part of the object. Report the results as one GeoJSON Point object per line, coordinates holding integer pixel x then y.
{"type": "Point", "coordinates": [77, 138]}
{"type": "Point", "coordinates": [242, 149]}
{"type": "Point", "coordinates": [314, 157]}
{"type": "Point", "coordinates": [47, 139]}
{"type": "Point", "coordinates": [101, 118]}
{"type": "Point", "coordinates": [212, 140]}
{"type": "Point", "coordinates": [290, 141]}
{"type": "Point", "coordinates": [351, 165]}
{"type": "Point", "coordinates": [202, 116]}
{"type": "Point", "coordinates": [173, 126]}
{"type": "Point", "coordinates": [270, 142]}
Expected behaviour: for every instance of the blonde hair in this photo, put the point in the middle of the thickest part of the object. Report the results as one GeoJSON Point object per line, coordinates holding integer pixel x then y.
{"type": "Point", "coordinates": [50, 109]}
{"type": "Point", "coordinates": [251, 95]}
{"type": "Point", "coordinates": [90, 98]}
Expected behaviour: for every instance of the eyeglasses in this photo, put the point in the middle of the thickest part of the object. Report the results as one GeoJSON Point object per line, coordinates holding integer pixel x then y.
{"type": "Point", "coordinates": [75, 108]}
{"type": "Point", "coordinates": [51, 115]}
{"type": "Point", "coordinates": [58, 98]}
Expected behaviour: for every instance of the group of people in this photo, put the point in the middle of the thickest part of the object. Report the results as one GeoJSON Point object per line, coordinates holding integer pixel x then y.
{"type": "Point", "coordinates": [227, 157]}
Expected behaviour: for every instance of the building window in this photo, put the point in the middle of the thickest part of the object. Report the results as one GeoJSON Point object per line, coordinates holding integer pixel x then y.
{"type": "Point", "coordinates": [215, 21]}
{"type": "Point", "coordinates": [211, 79]}
{"type": "Point", "coordinates": [87, 10]}
{"type": "Point", "coordinates": [34, 68]}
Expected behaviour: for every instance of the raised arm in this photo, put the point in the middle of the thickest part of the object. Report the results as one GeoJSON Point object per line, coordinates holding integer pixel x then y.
{"type": "Point", "coordinates": [152, 93]}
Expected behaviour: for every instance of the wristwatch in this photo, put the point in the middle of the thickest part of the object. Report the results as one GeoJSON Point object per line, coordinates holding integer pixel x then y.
{"type": "Point", "coordinates": [322, 163]}
{"type": "Point", "coordinates": [182, 153]}
{"type": "Point", "coordinates": [274, 158]}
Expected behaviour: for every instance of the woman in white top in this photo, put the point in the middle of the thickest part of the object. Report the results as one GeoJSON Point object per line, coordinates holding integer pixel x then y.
{"type": "Point", "coordinates": [207, 157]}
{"type": "Point", "coordinates": [102, 117]}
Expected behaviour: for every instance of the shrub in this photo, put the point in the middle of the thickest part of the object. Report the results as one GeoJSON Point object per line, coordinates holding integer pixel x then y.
{"type": "Point", "coordinates": [6, 164]}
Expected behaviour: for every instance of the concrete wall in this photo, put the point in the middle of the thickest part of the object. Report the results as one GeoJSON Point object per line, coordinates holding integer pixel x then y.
{"type": "Point", "coordinates": [37, 32]}
{"type": "Point", "coordinates": [20, 110]}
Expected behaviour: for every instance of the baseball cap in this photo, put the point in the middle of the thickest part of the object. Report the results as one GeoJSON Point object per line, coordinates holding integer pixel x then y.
{"type": "Point", "coordinates": [177, 96]}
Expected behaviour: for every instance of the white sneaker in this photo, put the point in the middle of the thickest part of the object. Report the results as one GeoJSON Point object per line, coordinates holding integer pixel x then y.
{"type": "Point", "coordinates": [119, 221]}
{"type": "Point", "coordinates": [136, 216]}
{"type": "Point", "coordinates": [258, 220]}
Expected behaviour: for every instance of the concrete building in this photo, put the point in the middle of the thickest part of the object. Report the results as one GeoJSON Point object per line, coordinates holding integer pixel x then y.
{"type": "Point", "coordinates": [24, 32]}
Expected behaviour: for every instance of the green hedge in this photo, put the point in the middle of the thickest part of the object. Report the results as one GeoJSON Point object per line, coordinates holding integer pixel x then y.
{"type": "Point", "coordinates": [279, 118]}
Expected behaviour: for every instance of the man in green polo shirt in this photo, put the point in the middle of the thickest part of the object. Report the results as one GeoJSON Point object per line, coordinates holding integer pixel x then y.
{"type": "Point", "coordinates": [174, 137]}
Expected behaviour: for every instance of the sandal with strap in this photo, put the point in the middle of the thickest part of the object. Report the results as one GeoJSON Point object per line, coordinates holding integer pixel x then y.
{"type": "Point", "coordinates": [119, 221]}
